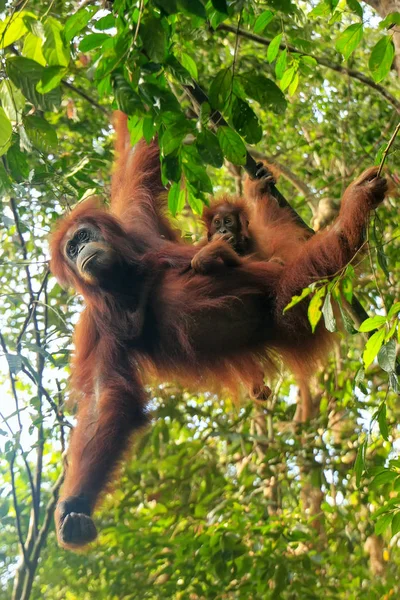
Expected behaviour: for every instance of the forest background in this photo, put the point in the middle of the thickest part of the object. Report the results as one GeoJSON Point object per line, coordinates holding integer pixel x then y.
{"type": "Point", "coordinates": [216, 500]}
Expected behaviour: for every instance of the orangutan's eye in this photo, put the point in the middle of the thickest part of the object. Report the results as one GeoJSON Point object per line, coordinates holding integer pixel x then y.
{"type": "Point", "coordinates": [72, 249]}
{"type": "Point", "coordinates": [83, 235]}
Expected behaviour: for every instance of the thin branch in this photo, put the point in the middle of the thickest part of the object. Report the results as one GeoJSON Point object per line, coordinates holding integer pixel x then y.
{"type": "Point", "coordinates": [32, 306]}
{"type": "Point", "coordinates": [320, 60]}
{"type": "Point", "coordinates": [138, 21]}
{"type": "Point", "coordinates": [390, 143]}
{"type": "Point", "coordinates": [28, 576]}
{"type": "Point", "coordinates": [16, 508]}
{"type": "Point", "coordinates": [85, 96]}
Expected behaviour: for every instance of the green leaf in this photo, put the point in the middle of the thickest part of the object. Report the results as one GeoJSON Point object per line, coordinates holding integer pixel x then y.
{"type": "Point", "coordinates": [221, 89]}
{"type": "Point", "coordinates": [26, 74]}
{"type": "Point", "coordinates": [392, 18]}
{"type": "Point", "coordinates": [12, 99]}
{"type": "Point", "coordinates": [176, 199]}
{"type": "Point", "coordinates": [265, 91]}
{"type": "Point", "coordinates": [42, 135]}
{"type": "Point", "coordinates": [382, 478]}
{"type": "Point", "coordinates": [394, 382]}
{"type": "Point", "coordinates": [127, 99]}
{"type": "Point", "coordinates": [106, 22]}
{"type": "Point", "coordinates": [232, 146]}
{"type": "Point", "coordinates": [246, 122]}
{"type": "Point", "coordinates": [280, 65]}
{"type": "Point", "coordinates": [387, 356]}
{"type": "Point", "coordinates": [5, 183]}
{"type": "Point", "coordinates": [287, 78]}
{"type": "Point", "coordinates": [394, 309]}
{"type": "Point", "coordinates": [92, 41]}
{"type": "Point", "coordinates": [135, 127]}
{"type": "Point", "coordinates": [347, 321]}
{"type": "Point", "coordinates": [220, 5]}
{"type": "Point", "coordinates": [347, 288]}
{"type": "Point", "coordinates": [14, 362]}
{"type": "Point", "coordinates": [359, 464]}
{"type": "Point", "coordinates": [321, 10]}
{"type": "Point", "coordinates": [314, 308]}
{"type": "Point", "coordinates": [327, 311]}
{"type": "Point", "coordinates": [5, 131]}
{"type": "Point", "coordinates": [167, 7]}
{"type": "Point", "coordinates": [273, 47]}
{"type": "Point", "coordinates": [383, 523]}
{"type": "Point", "coordinates": [348, 41]}
{"type": "Point", "coordinates": [173, 136]}
{"type": "Point", "coordinates": [189, 64]}
{"type": "Point", "coordinates": [160, 99]}
{"type": "Point", "coordinates": [359, 380]}
{"type": "Point", "coordinates": [263, 20]}
{"type": "Point", "coordinates": [51, 78]}
{"type": "Point", "coordinates": [154, 39]}
{"type": "Point", "coordinates": [296, 299]}
{"type": "Point", "coordinates": [75, 23]}
{"type": "Point", "coordinates": [372, 323]}
{"type": "Point", "coordinates": [54, 49]}
{"type": "Point", "coordinates": [195, 204]}
{"type": "Point", "coordinates": [355, 6]}
{"type": "Point", "coordinates": [17, 163]}
{"type": "Point", "coordinates": [209, 148]}
{"type": "Point", "coordinates": [193, 7]}
{"type": "Point", "coordinates": [294, 84]}
{"type": "Point", "coordinates": [373, 346]}
{"type": "Point", "coordinates": [171, 168]}
{"type": "Point", "coordinates": [382, 422]}
{"type": "Point", "coordinates": [396, 523]}
{"type": "Point", "coordinates": [178, 71]}
{"type": "Point", "coordinates": [195, 173]}
{"type": "Point", "coordinates": [12, 29]}
{"type": "Point", "coordinates": [33, 48]}
{"type": "Point", "coordinates": [148, 128]}
{"type": "Point", "coordinates": [381, 59]}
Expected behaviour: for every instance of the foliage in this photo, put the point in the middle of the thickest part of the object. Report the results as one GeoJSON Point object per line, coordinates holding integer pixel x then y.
{"type": "Point", "coordinates": [216, 500]}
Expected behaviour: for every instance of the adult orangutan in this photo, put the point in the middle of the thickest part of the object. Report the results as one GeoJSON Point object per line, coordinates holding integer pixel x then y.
{"type": "Point", "coordinates": [147, 313]}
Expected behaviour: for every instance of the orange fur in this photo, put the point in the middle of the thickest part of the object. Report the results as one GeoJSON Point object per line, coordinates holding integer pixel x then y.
{"type": "Point", "coordinates": [167, 320]}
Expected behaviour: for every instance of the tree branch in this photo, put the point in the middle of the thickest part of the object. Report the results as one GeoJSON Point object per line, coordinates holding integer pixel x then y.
{"type": "Point", "coordinates": [320, 60]}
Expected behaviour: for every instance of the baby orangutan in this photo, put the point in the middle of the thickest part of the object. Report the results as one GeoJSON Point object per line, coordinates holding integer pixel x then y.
{"type": "Point", "coordinates": [236, 229]}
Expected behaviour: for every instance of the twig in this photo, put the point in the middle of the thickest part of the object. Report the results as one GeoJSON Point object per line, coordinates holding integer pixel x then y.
{"type": "Point", "coordinates": [138, 22]}
{"type": "Point", "coordinates": [386, 151]}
